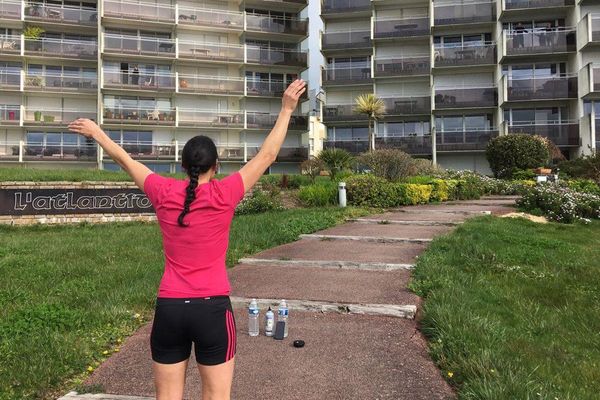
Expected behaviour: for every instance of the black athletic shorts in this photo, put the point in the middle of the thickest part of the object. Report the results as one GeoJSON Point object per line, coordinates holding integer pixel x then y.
{"type": "Point", "coordinates": [208, 322]}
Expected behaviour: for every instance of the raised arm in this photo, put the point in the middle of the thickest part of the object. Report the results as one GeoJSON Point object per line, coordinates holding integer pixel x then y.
{"type": "Point", "coordinates": [135, 169]}
{"type": "Point", "coordinates": [254, 169]}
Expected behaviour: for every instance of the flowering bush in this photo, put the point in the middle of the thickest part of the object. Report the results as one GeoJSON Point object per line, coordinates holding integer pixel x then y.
{"type": "Point", "coordinates": [560, 204]}
{"type": "Point", "coordinates": [260, 201]}
{"type": "Point", "coordinates": [474, 183]}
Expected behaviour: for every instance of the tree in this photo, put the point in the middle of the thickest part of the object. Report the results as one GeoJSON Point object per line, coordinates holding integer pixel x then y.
{"type": "Point", "coordinates": [312, 168]}
{"type": "Point", "coordinates": [509, 153]}
{"type": "Point", "coordinates": [374, 108]}
{"type": "Point", "coordinates": [336, 160]}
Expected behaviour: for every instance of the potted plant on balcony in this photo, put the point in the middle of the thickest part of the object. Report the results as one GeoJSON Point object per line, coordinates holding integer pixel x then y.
{"type": "Point", "coordinates": [33, 33]}
{"type": "Point", "coordinates": [37, 116]}
{"type": "Point", "coordinates": [374, 108]}
{"type": "Point", "coordinates": [108, 114]}
{"type": "Point", "coordinates": [48, 118]}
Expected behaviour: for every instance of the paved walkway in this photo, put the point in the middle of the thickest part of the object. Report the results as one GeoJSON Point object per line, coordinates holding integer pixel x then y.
{"type": "Point", "coordinates": [347, 291]}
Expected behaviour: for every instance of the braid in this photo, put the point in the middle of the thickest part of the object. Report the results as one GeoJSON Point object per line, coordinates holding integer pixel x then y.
{"type": "Point", "coordinates": [190, 195]}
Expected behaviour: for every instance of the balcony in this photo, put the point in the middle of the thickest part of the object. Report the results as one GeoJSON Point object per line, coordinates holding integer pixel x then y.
{"type": "Point", "coordinates": [267, 88]}
{"type": "Point", "coordinates": [539, 42]}
{"type": "Point", "coordinates": [414, 144]}
{"type": "Point", "coordinates": [353, 40]}
{"type": "Point", "coordinates": [342, 113]}
{"type": "Point", "coordinates": [54, 117]}
{"type": "Point", "coordinates": [215, 52]}
{"type": "Point", "coordinates": [407, 105]}
{"type": "Point", "coordinates": [207, 85]}
{"type": "Point", "coordinates": [465, 55]}
{"type": "Point", "coordinates": [406, 66]}
{"type": "Point", "coordinates": [589, 81]}
{"type": "Point", "coordinates": [563, 134]}
{"type": "Point", "coordinates": [54, 151]}
{"type": "Point", "coordinates": [523, 5]}
{"type": "Point", "coordinates": [355, 75]}
{"type": "Point", "coordinates": [149, 151]}
{"type": "Point", "coordinates": [139, 12]}
{"type": "Point", "coordinates": [10, 9]}
{"type": "Point", "coordinates": [354, 146]}
{"type": "Point", "coordinates": [62, 83]}
{"type": "Point", "coordinates": [388, 28]}
{"type": "Point", "coordinates": [10, 44]}
{"type": "Point", "coordinates": [221, 20]}
{"type": "Point", "coordinates": [211, 119]}
{"type": "Point", "coordinates": [464, 140]}
{"type": "Point", "coordinates": [286, 153]}
{"type": "Point", "coordinates": [469, 12]}
{"type": "Point", "coordinates": [588, 30]}
{"type": "Point", "coordinates": [125, 45]}
{"type": "Point", "coordinates": [469, 97]}
{"type": "Point", "coordinates": [331, 8]}
{"type": "Point", "coordinates": [270, 56]}
{"type": "Point", "coordinates": [288, 5]}
{"type": "Point", "coordinates": [62, 48]}
{"type": "Point", "coordinates": [10, 114]}
{"type": "Point", "coordinates": [140, 81]}
{"type": "Point", "coordinates": [61, 14]}
{"type": "Point", "coordinates": [262, 120]}
{"type": "Point", "coordinates": [10, 79]}
{"type": "Point", "coordinates": [279, 25]}
{"type": "Point", "coordinates": [163, 116]}
{"type": "Point", "coordinates": [544, 88]}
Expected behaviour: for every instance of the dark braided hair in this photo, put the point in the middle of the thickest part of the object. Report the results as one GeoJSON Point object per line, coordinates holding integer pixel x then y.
{"type": "Point", "coordinates": [199, 155]}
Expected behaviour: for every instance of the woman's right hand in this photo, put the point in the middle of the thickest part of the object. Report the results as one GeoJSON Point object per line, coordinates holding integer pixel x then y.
{"type": "Point", "coordinates": [292, 95]}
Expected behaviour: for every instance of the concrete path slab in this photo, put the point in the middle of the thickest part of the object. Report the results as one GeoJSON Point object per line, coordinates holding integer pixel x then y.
{"type": "Point", "coordinates": [351, 265]}
{"type": "Point", "coordinates": [340, 250]}
{"type": "Point", "coordinates": [421, 215]}
{"type": "Point", "coordinates": [332, 285]}
{"type": "Point", "coordinates": [387, 230]}
{"type": "Point", "coordinates": [345, 357]}
{"type": "Point", "coordinates": [376, 239]}
{"type": "Point", "coordinates": [453, 208]}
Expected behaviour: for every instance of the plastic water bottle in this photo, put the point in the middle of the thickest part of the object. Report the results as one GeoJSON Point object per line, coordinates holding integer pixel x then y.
{"type": "Point", "coordinates": [269, 322]}
{"type": "Point", "coordinates": [282, 315]}
{"type": "Point", "coordinates": [253, 318]}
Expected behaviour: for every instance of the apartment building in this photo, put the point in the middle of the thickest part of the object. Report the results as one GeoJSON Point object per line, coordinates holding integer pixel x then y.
{"type": "Point", "coordinates": [153, 74]}
{"type": "Point", "coordinates": [454, 74]}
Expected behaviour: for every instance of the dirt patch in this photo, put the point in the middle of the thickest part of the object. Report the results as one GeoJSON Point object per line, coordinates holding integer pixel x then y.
{"type": "Point", "coordinates": [533, 218]}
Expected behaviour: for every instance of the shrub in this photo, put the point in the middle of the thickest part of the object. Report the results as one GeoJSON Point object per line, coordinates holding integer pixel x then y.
{"type": "Point", "coordinates": [426, 167]}
{"type": "Point", "coordinates": [560, 204]}
{"type": "Point", "coordinates": [371, 191]}
{"type": "Point", "coordinates": [260, 201]}
{"type": "Point", "coordinates": [508, 153]}
{"type": "Point", "coordinates": [440, 190]}
{"type": "Point", "coordinates": [312, 168]}
{"type": "Point", "coordinates": [584, 186]}
{"type": "Point", "coordinates": [336, 160]}
{"type": "Point", "coordinates": [391, 164]}
{"type": "Point", "coordinates": [586, 167]}
{"type": "Point", "coordinates": [411, 194]}
{"type": "Point", "coordinates": [319, 195]}
{"type": "Point", "coordinates": [284, 181]}
{"type": "Point", "coordinates": [523, 174]}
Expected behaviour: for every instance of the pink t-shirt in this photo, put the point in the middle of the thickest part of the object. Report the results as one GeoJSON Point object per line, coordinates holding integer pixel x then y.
{"type": "Point", "coordinates": [194, 255]}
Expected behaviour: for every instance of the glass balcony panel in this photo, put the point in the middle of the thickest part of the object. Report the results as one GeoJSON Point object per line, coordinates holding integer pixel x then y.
{"type": "Point", "coordinates": [403, 66]}
{"type": "Point", "coordinates": [341, 75]}
{"type": "Point", "coordinates": [464, 140]}
{"type": "Point", "coordinates": [62, 48]}
{"type": "Point", "coordinates": [208, 17]}
{"type": "Point", "coordinates": [59, 151]}
{"type": "Point", "coordinates": [10, 9]}
{"type": "Point", "coordinates": [55, 117]}
{"type": "Point", "coordinates": [257, 87]}
{"type": "Point", "coordinates": [140, 11]}
{"type": "Point", "coordinates": [10, 79]}
{"type": "Point", "coordinates": [10, 44]}
{"type": "Point", "coordinates": [466, 13]}
{"type": "Point", "coordinates": [210, 84]}
{"type": "Point", "coordinates": [267, 56]}
{"type": "Point", "coordinates": [259, 120]}
{"type": "Point", "coordinates": [466, 97]}
{"type": "Point", "coordinates": [398, 28]}
{"type": "Point", "coordinates": [139, 81]}
{"type": "Point", "coordinates": [540, 41]}
{"type": "Point", "coordinates": [344, 112]}
{"type": "Point", "coordinates": [339, 6]}
{"type": "Point", "coordinates": [61, 14]}
{"type": "Point", "coordinates": [417, 145]}
{"type": "Point", "coordinates": [211, 51]}
{"type": "Point", "coordinates": [461, 55]}
{"type": "Point", "coordinates": [158, 151]}
{"type": "Point", "coordinates": [139, 115]}
{"type": "Point", "coordinates": [126, 44]}
{"type": "Point", "coordinates": [407, 105]}
{"type": "Point", "coordinates": [531, 4]}
{"type": "Point", "coordinates": [60, 82]}
{"type": "Point", "coordinates": [10, 114]}
{"type": "Point", "coordinates": [272, 24]}
{"type": "Point", "coordinates": [347, 40]}
{"type": "Point", "coordinates": [216, 119]}
{"type": "Point", "coordinates": [354, 146]}
{"type": "Point", "coordinates": [542, 88]}
{"type": "Point", "coordinates": [562, 134]}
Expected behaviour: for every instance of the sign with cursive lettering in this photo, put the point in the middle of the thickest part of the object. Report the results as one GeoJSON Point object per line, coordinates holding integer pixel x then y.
{"type": "Point", "coordinates": [73, 201]}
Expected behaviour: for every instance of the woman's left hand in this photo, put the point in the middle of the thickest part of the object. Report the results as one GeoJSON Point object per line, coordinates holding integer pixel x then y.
{"type": "Point", "coordinates": [85, 127]}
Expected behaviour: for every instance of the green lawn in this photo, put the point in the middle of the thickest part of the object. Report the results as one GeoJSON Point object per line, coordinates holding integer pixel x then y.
{"type": "Point", "coordinates": [512, 309]}
{"type": "Point", "coordinates": [69, 294]}
{"type": "Point", "coordinates": [74, 175]}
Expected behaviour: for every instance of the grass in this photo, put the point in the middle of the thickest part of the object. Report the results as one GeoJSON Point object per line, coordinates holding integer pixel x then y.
{"type": "Point", "coordinates": [69, 295]}
{"type": "Point", "coordinates": [74, 175]}
{"type": "Point", "coordinates": [512, 309]}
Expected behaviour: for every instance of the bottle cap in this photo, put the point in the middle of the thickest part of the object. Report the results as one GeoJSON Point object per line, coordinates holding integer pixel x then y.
{"type": "Point", "coordinates": [269, 308]}
{"type": "Point", "coordinates": [298, 343]}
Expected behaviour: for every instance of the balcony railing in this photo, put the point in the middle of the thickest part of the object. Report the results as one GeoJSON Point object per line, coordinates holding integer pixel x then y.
{"type": "Point", "coordinates": [347, 40]}
{"type": "Point", "coordinates": [534, 4]}
{"type": "Point", "coordinates": [60, 82]}
{"type": "Point", "coordinates": [347, 75]}
{"type": "Point", "coordinates": [205, 17]}
{"type": "Point", "coordinates": [10, 114]}
{"type": "Point", "coordinates": [211, 51]}
{"type": "Point", "coordinates": [211, 119]}
{"type": "Point", "coordinates": [545, 88]}
{"type": "Point", "coordinates": [159, 151]}
{"type": "Point", "coordinates": [54, 117]}
{"type": "Point", "coordinates": [138, 81]}
{"type": "Point", "coordinates": [417, 145]}
{"type": "Point", "coordinates": [61, 14]}
{"type": "Point", "coordinates": [261, 120]}
{"type": "Point", "coordinates": [10, 9]}
{"type": "Point", "coordinates": [270, 88]}
{"type": "Point", "coordinates": [269, 56]}
{"type": "Point", "coordinates": [272, 24]}
{"type": "Point", "coordinates": [286, 153]}
{"type": "Point", "coordinates": [589, 80]}
{"type": "Point", "coordinates": [406, 66]}
{"type": "Point", "coordinates": [407, 105]}
{"type": "Point", "coordinates": [401, 27]}
{"type": "Point", "coordinates": [464, 140]}
{"type": "Point", "coordinates": [10, 44]}
{"type": "Point", "coordinates": [465, 54]}
{"type": "Point", "coordinates": [139, 116]}
{"type": "Point", "coordinates": [10, 79]}
{"type": "Point", "coordinates": [47, 47]}
{"type": "Point", "coordinates": [210, 85]}
{"type": "Point", "coordinates": [448, 98]}
{"type": "Point", "coordinates": [540, 41]}
{"type": "Point", "coordinates": [342, 112]}
{"type": "Point", "coordinates": [146, 12]}
{"type": "Point", "coordinates": [354, 146]}
{"type": "Point", "coordinates": [564, 133]}
{"type": "Point", "coordinates": [48, 151]}
{"type": "Point", "coordinates": [469, 12]}
{"type": "Point", "coordinates": [344, 6]}
{"type": "Point", "coordinates": [136, 45]}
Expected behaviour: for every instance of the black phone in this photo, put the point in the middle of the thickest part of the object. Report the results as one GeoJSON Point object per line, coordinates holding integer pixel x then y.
{"type": "Point", "coordinates": [279, 330]}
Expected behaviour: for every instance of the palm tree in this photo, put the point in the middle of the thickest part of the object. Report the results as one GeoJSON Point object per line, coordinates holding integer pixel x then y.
{"type": "Point", "coordinates": [374, 108]}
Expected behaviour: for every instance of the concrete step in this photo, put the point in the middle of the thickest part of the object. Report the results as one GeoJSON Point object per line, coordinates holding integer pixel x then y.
{"type": "Point", "coordinates": [383, 221]}
{"type": "Point", "coordinates": [365, 266]}
{"type": "Point", "coordinates": [387, 230]}
{"type": "Point", "coordinates": [327, 285]}
{"type": "Point", "coordinates": [345, 357]}
{"type": "Point", "coordinates": [375, 239]}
